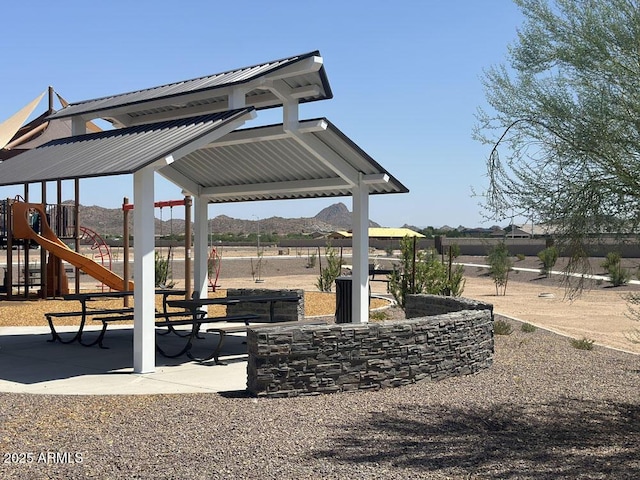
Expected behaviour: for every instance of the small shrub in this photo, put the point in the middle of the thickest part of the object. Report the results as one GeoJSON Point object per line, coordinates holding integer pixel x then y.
{"type": "Point", "coordinates": [611, 260]}
{"type": "Point", "coordinates": [379, 316]}
{"type": "Point", "coordinates": [311, 261]}
{"type": "Point", "coordinates": [582, 344]}
{"type": "Point", "coordinates": [521, 257]}
{"type": "Point", "coordinates": [548, 258]}
{"type": "Point", "coordinates": [619, 276]}
{"type": "Point", "coordinates": [528, 328]}
{"type": "Point", "coordinates": [502, 327]}
{"type": "Point", "coordinates": [500, 265]}
{"type": "Point", "coordinates": [162, 271]}
{"type": "Point", "coordinates": [331, 271]}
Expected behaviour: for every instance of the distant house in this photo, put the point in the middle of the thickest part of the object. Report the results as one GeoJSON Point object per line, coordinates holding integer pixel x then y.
{"type": "Point", "coordinates": [381, 233]}
{"type": "Point", "coordinates": [511, 231]}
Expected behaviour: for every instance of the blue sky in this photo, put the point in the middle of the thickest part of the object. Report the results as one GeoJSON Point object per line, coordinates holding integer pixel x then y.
{"type": "Point", "coordinates": [405, 77]}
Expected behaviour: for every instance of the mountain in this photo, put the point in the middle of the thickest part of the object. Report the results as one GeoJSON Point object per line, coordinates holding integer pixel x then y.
{"type": "Point", "coordinates": [338, 215]}
{"type": "Point", "coordinates": [109, 222]}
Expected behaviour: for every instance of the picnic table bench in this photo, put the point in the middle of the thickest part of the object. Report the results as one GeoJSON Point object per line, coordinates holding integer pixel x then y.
{"type": "Point", "coordinates": [194, 307]}
{"type": "Point", "coordinates": [86, 312]}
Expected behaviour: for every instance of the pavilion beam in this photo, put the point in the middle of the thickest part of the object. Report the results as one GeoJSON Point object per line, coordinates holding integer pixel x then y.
{"type": "Point", "coordinates": [200, 247]}
{"type": "Point", "coordinates": [144, 272]}
{"type": "Point", "coordinates": [360, 245]}
{"type": "Point", "coordinates": [293, 186]}
{"type": "Point", "coordinates": [274, 132]}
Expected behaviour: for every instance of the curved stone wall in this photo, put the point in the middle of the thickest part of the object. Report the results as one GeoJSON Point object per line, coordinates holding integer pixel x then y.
{"type": "Point", "coordinates": [287, 361]}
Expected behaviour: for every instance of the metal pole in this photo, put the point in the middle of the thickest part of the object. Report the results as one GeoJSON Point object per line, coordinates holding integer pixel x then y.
{"type": "Point", "coordinates": [125, 259]}
{"type": "Point", "coordinates": [187, 247]}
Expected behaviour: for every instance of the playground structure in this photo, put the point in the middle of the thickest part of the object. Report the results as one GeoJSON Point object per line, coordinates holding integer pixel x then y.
{"type": "Point", "coordinates": [26, 226]}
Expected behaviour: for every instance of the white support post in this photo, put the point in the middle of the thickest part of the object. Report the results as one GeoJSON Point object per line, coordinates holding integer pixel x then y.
{"type": "Point", "coordinates": [290, 116]}
{"type": "Point", "coordinates": [200, 253]}
{"type": "Point", "coordinates": [237, 98]}
{"type": "Point", "coordinates": [144, 347]}
{"type": "Point", "coordinates": [360, 239]}
{"type": "Point", "coordinates": [78, 126]}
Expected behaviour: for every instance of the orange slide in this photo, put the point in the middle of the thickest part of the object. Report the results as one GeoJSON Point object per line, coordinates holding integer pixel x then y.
{"type": "Point", "coordinates": [50, 241]}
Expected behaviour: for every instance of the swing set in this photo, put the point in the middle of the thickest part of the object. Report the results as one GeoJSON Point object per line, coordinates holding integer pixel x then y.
{"type": "Point", "coordinates": [214, 258]}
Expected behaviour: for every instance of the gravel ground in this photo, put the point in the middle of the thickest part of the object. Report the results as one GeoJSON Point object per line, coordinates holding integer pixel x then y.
{"type": "Point", "coordinates": [544, 410]}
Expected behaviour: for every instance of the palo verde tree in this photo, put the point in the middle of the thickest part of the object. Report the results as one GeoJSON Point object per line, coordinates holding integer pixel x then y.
{"type": "Point", "coordinates": [563, 122]}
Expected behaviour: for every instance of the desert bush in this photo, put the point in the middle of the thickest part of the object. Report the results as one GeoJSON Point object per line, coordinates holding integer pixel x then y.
{"type": "Point", "coordinates": [528, 328]}
{"type": "Point", "coordinates": [502, 327]}
{"type": "Point", "coordinates": [617, 274]}
{"type": "Point", "coordinates": [499, 267]}
{"type": "Point", "coordinates": [379, 316]}
{"type": "Point", "coordinates": [521, 257]}
{"type": "Point", "coordinates": [162, 271]}
{"type": "Point", "coordinates": [582, 344]}
{"type": "Point", "coordinates": [311, 261]}
{"type": "Point", "coordinates": [423, 272]}
{"type": "Point", "coordinates": [331, 271]}
{"type": "Point", "coordinates": [611, 260]}
{"type": "Point", "coordinates": [548, 258]}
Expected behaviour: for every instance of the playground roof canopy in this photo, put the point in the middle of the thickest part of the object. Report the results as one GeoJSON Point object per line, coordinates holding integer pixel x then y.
{"type": "Point", "coordinates": [303, 77]}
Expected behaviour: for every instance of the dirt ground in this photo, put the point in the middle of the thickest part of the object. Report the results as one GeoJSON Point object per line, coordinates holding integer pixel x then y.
{"type": "Point", "coordinates": [600, 313]}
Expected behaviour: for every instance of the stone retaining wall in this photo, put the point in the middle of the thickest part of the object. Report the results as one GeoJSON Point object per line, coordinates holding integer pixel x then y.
{"type": "Point", "coordinates": [283, 311]}
{"type": "Point", "coordinates": [429, 305]}
{"type": "Point", "coordinates": [287, 361]}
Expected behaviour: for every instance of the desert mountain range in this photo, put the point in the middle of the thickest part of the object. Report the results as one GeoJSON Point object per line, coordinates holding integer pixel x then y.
{"type": "Point", "coordinates": [108, 222]}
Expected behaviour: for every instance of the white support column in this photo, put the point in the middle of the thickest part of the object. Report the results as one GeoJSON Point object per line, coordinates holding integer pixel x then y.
{"type": "Point", "coordinates": [78, 126]}
{"type": "Point", "coordinates": [360, 279]}
{"type": "Point", "coordinates": [237, 98]}
{"type": "Point", "coordinates": [144, 347]}
{"type": "Point", "coordinates": [290, 115]}
{"type": "Point", "coordinates": [200, 253]}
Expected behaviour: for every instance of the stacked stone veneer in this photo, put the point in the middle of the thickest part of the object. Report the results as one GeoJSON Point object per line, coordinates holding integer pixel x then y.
{"type": "Point", "coordinates": [283, 311]}
{"type": "Point", "coordinates": [456, 339]}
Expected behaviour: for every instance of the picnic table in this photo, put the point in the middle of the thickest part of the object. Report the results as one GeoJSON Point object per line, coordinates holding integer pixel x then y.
{"type": "Point", "coordinates": [194, 306]}
{"type": "Point", "coordinates": [86, 312]}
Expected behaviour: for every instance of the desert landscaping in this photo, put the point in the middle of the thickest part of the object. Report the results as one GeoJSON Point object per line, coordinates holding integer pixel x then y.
{"type": "Point", "coordinates": [543, 410]}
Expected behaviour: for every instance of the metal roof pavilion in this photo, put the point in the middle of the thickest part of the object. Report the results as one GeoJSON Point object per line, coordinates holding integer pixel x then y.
{"type": "Point", "coordinates": [300, 77]}
{"type": "Point", "coordinates": [189, 133]}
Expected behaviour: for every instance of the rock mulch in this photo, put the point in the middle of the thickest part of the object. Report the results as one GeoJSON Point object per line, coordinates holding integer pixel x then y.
{"type": "Point", "coordinates": [543, 410]}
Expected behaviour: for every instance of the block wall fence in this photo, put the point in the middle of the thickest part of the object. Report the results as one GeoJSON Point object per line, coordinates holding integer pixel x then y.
{"type": "Point", "coordinates": [441, 337]}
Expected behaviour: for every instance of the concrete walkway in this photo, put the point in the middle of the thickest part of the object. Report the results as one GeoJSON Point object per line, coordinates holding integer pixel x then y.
{"type": "Point", "coordinates": [30, 364]}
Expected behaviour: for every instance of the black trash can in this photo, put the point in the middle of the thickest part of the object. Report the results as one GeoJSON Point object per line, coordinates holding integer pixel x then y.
{"type": "Point", "coordinates": [344, 299]}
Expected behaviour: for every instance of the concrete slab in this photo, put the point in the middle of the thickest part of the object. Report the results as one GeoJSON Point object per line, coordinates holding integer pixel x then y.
{"type": "Point", "coordinates": [31, 364]}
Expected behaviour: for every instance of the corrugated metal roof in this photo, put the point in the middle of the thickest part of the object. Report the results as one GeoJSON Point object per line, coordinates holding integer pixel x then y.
{"type": "Point", "coordinates": [113, 152]}
{"type": "Point", "coordinates": [201, 95]}
{"type": "Point", "coordinates": [260, 163]}
{"type": "Point", "coordinates": [265, 163]}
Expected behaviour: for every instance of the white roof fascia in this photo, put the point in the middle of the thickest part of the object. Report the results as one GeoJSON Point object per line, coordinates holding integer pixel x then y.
{"type": "Point", "coordinates": [302, 67]}
{"type": "Point", "coordinates": [375, 178]}
{"type": "Point", "coordinates": [294, 186]}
